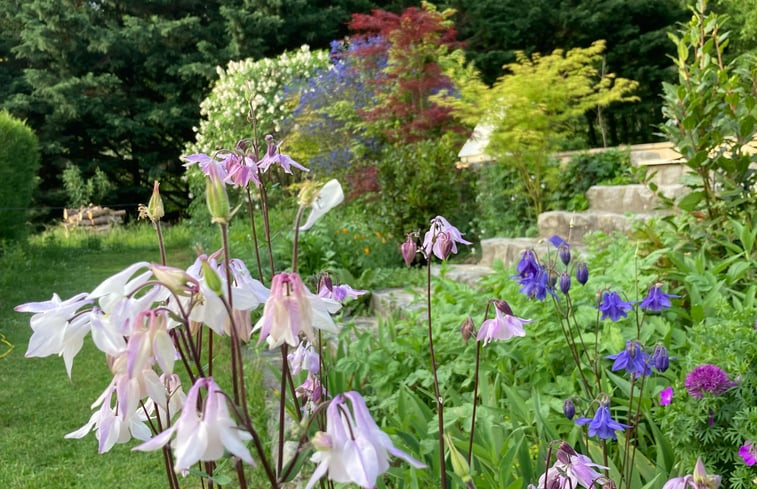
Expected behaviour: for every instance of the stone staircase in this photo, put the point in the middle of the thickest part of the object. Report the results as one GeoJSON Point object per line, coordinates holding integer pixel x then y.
{"type": "Point", "coordinates": [611, 209]}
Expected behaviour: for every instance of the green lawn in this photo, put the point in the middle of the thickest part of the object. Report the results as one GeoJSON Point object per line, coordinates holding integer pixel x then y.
{"type": "Point", "coordinates": [38, 402]}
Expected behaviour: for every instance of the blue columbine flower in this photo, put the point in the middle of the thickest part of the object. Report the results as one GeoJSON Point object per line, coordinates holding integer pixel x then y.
{"type": "Point", "coordinates": [657, 300]}
{"type": "Point", "coordinates": [633, 359]}
{"type": "Point", "coordinates": [528, 264]}
{"type": "Point", "coordinates": [602, 425]}
{"type": "Point", "coordinates": [537, 285]}
{"type": "Point", "coordinates": [613, 306]}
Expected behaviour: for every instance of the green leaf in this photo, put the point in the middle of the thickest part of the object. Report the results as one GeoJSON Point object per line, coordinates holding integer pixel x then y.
{"type": "Point", "coordinates": [690, 201]}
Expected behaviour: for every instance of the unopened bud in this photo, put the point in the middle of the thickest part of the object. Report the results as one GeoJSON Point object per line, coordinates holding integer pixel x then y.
{"type": "Point", "coordinates": [503, 307]}
{"type": "Point", "coordinates": [155, 205]}
{"type": "Point", "coordinates": [176, 279]}
{"type": "Point", "coordinates": [409, 248]}
{"type": "Point", "coordinates": [445, 244]}
{"type": "Point", "coordinates": [582, 273]}
{"type": "Point", "coordinates": [468, 329]}
{"type": "Point", "coordinates": [212, 278]}
{"type": "Point", "coordinates": [564, 253]}
{"type": "Point", "coordinates": [564, 282]}
{"type": "Point", "coordinates": [569, 409]}
{"type": "Point", "coordinates": [660, 358]}
{"type": "Point", "coordinates": [217, 198]}
{"type": "Point", "coordinates": [326, 283]}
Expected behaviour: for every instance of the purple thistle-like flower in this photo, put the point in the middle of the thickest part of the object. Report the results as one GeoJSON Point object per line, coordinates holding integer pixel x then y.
{"type": "Point", "coordinates": [748, 453]}
{"type": "Point", "coordinates": [602, 425]}
{"type": "Point", "coordinates": [707, 378]}
{"type": "Point", "coordinates": [633, 359]}
{"type": "Point", "coordinates": [613, 306]}
{"type": "Point", "coordinates": [656, 299]}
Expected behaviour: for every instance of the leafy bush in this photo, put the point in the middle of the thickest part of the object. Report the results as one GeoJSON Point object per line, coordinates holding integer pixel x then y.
{"type": "Point", "coordinates": [19, 160]}
{"type": "Point", "coordinates": [417, 182]}
{"type": "Point", "coordinates": [82, 192]}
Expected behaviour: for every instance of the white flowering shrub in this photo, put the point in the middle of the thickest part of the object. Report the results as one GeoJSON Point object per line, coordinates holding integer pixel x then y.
{"type": "Point", "coordinates": [263, 85]}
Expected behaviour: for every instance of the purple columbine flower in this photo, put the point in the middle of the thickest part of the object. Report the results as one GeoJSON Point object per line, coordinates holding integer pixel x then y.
{"type": "Point", "coordinates": [660, 358]}
{"type": "Point", "coordinates": [537, 285]}
{"type": "Point", "coordinates": [748, 453]}
{"type": "Point", "coordinates": [666, 396]}
{"type": "Point", "coordinates": [528, 265]}
{"type": "Point", "coordinates": [441, 238]}
{"type": "Point", "coordinates": [571, 470]}
{"type": "Point", "coordinates": [503, 327]}
{"type": "Point", "coordinates": [707, 378]}
{"type": "Point", "coordinates": [602, 425]}
{"type": "Point", "coordinates": [656, 299]}
{"type": "Point", "coordinates": [273, 155]}
{"type": "Point", "coordinates": [633, 359]}
{"type": "Point", "coordinates": [613, 306]}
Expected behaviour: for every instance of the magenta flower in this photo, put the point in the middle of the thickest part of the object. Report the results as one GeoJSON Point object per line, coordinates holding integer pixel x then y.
{"type": "Point", "coordinates": [503, 327]}
{"type": "Point", "coordinates": [441, 239]}
{"type": "Point", "coordinates": [353, 449]}
{"type": "Point", "coordinates": [707, 378]}
{"type": "Point", "coordinates": [748, 452]}
{"type": "Point", "coordinates": [613, 306]}
{"type": "Point", "coordinates": [241, 170]}
{"type": "Point", "coordinates": [602, 425]}
{"type": "Point", "coordinates": [666, 396]}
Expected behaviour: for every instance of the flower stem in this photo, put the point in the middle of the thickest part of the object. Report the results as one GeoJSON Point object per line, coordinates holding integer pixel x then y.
{"type": "Point", "coordinates": [161, 243]}
{"type": "Point", "coordinates": [251, 210]}
{"type": "Point", "coordinates": [437, 393]}
{"type": "Point", "coordinates": [282, 403]}
{"type": "Point", "coordinates": [475, 396]}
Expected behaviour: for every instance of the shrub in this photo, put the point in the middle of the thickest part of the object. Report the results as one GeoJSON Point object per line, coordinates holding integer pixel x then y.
{"type": "Point", "coordinates": [19, 160]}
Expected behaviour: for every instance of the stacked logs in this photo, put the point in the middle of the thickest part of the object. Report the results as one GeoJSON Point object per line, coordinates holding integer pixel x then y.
{"type": "Point", "coordinates": [92, 217]}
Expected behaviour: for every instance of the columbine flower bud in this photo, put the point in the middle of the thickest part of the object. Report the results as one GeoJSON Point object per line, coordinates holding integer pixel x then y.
{"type": "Point", "coordinates": [326, 283]}
{"type": "Point", "coordinates": [582, 273]}
{"type": "Point", "coordinates": [468, 329]}
{"type": "Point", "coordinates": [660, 358]}
{"type": "Point", "coordinates": [445, 244]}
{"type": "Point", "coordinates": [212, 278]}
{"type": "Point", "coordinates": [564, 253]}
{"type": "Point", "coordinates": [569, 408]}
{"type": "Point", "coordinates": [176, 279]}
{"type": "Point", "coordinates": [564, 282]}
{"type": "Point", "coordinates": [155, 206]}
{"type": "Point", "coordinates": [565, 452]}
{"type": "Point", "coordinates": [503, 307]}
{"type": "Point", "coordinates": [217, 198]}
{"type": "Point", "coordinates": [409, 248]}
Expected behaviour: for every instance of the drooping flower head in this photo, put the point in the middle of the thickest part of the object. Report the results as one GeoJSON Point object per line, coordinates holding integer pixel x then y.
{"type": "Point", "coordinates": [339, 292]}
{"type": "Point", "coordinates": [273, 155]}
{"type": "Point", "coordinates": [291, 309]}
{"type": "Point", "coordinates": [613, 306]}
{"type": "Point", "coordinates": [441, 239]}
{"type": "Point", "coordinates": [656, 299]}
{"type": "Point", "coordinates": [204, 434]}
{"type": "Point", "coordinates": [633, 359]}
{"type": "Point", "coordinates": [537, 285]}
{"type": "Point", "coordinates": [353, 449]}
{"type": "Point", "coordinates": [528, 264]}
{"type": "Point", "coordinates": [503, 326]}
{"type": "Point", "coordinates": [241, 170]}
{"type": "Point", "coordinates": [602, 425]}
{"type": "Point", "coordinates": [707, 378]}
{"type": "Point", "coordinates": [571, 470]}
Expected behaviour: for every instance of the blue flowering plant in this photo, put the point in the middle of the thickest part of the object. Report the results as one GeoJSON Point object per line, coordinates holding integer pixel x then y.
{"type": "Point", "coordinates": [600, 391]}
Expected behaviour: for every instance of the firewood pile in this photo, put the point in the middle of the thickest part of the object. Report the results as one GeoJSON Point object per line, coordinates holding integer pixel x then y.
{"type": "Point", "coordinates": [93, 217]}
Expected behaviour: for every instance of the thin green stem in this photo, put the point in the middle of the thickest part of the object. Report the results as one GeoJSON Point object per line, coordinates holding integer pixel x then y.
{"type": "Point", "coordinates": [251, 210]}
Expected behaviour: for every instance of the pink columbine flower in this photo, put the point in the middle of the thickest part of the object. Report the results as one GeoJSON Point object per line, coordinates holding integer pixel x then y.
{"type": "Point", "coordinates": [441, 239]}
{"type": "Point", "coordinates": [707, 378]}
{"type": "Point", "coordinates": [304, 358]}
{"type": "Point", "coordinates": [241, 170]}
{"type": "Point", "coordinates": [700, 479]}
{"type": "Point", "coordinates": [204, 434]}
{"type": "Point", "coordinates": [339, 292]}
{"type": "Point", "coordinates": [291, 309]}
{"type": "Point", "coordinates": [666, 396]}
{"type": "Point", "coordinates": [503, 327]}
{"type": "Point", "coordinates": [570, 470]}
{"type": "Point", "coordinates": [273, 156]}
{"type": "Point", "coordinates": [353, 449]}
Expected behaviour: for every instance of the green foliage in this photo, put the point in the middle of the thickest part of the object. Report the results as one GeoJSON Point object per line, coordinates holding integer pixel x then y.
{"type": "Point", "coordinates": [82, 192]}
{"type": "Point", "coordinates": [418, 182]}
{"type": "Point", "coordinates": [568, 184]}
{"type": "Point", "coordinates": [533, 108]}
{"type": "Point", "coordinates": [714, 427]}
{"type": "Point", "coordinates": [711, 117]}
{"type": "Point", "coordinates": [19, 161]}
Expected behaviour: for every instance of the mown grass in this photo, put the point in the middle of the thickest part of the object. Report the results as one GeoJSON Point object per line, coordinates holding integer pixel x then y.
{"type": "Point", "coordinates": [39, 404]}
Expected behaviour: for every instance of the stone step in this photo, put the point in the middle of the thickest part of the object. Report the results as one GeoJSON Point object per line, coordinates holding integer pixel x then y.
{"type": "Point", "coordinates": [630, 198]}
{"type": "Point", "coordinates": [469, 275]}
{"type": "Point", "coordinates": [509, 250]}
{"type": "Point", "coordinates": [385, 302]}
{"type": "Point", "coordinates": [572, 226]}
